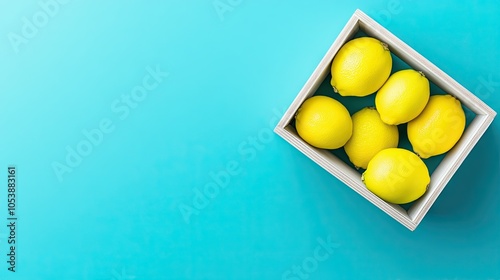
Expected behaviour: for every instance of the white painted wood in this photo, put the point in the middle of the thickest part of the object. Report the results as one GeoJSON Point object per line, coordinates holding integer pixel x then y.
{"type": "Point", "coordinates": [344, 173]}
{"type": "Point", "coordinates": [351, 177]}
{"type": "Point", "coordinates": [452, 161]}
{"type": "Point", "coordinates": [321, 70]}
{"type": "Point", "coordinates": [418, 62]}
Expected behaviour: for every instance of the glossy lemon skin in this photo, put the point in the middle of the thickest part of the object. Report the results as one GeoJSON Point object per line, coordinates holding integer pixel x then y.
{"type": "Point", "coordinates": [361, 67]}
{"type": "Point", "coordinates": [323, 122]}
{"type": "Point", "coordinates": [438, 128]}
{"type": "Point", "coordinates": [370, 135]}
{"type": "Point", "coordinates": [397, 176]}
{"type": "Point", "coordinates": [403, 97]}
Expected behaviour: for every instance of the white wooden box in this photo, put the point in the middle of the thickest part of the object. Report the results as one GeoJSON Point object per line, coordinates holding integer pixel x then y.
{"type": "Point", "coordinates": [484, 115]}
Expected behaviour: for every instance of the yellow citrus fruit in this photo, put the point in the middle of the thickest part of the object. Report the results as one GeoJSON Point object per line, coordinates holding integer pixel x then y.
{"type": "Point", "coordinates": [323, 122]}
{"type": "Point", "coordinates": [397, 176]}
{"type": "Point", "coordinates": [370, 135]}
{"type": "Point", "coordinates": [403, 97]}
{"type": "Point", "coordinates": [361, 67]}
{"type": "Point", "coordinates": [438, 128]}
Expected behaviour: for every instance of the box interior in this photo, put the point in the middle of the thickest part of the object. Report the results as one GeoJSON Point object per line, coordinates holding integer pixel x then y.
{"type": "Point", "coordinates": [479, 117]}
{"type": "Point", "coordinates": [438, 165]}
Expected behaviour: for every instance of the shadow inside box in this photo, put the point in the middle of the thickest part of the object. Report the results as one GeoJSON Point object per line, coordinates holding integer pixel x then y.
{"type": "Point", "coordinates": [472, 195]}
{"type": "Point", "coordinates": [442, 168]}
{"type": "Point", "coordinates": [354, 104]}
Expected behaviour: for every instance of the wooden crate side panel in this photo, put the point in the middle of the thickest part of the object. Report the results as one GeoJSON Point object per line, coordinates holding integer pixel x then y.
{"type": "Point", "coordinates": [344, 173]}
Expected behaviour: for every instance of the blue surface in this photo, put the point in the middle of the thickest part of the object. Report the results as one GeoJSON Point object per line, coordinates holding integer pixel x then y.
{"type": "Point", "coordinates": [130, 207]}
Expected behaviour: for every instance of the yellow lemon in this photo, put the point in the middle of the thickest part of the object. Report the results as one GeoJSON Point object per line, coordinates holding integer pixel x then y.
{"type": "Point", "coordinates": [370, 135]}
{"type": "Point", "coordinates": [397, 176]}
{"type": "Point", "coordinates": [361, 67]}
{"type": "Point", "coordinates": [438, 128]}
{"type": "Point", "coordinates": [403, 97]}
{"type": "Point", "coordinates": [323, 122]}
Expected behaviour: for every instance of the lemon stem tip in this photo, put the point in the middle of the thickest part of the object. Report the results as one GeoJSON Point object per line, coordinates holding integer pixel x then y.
{"type": "Point", "coordinates": [385, 46]}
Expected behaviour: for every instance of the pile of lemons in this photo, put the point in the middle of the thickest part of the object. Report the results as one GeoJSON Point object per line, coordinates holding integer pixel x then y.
{"type": "Point", "coordinates": [370, 136]}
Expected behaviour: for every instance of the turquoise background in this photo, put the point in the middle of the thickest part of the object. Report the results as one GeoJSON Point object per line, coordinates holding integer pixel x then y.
{"type": "Point", "coordinates": [117, 213]}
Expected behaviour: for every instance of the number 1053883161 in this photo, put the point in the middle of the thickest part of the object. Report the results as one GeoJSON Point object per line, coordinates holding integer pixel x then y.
{"type": "Point", "coordinates": [12, 218]}
{"type": "Point", "coordinates": [11, 191]}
